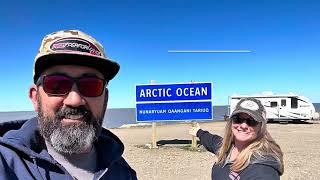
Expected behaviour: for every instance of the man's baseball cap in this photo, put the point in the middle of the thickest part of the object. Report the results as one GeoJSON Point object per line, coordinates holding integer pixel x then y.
{"type": "Point", "coordinates": [73, 47]}
{"type": "Point", "coordinates": [252, 107]}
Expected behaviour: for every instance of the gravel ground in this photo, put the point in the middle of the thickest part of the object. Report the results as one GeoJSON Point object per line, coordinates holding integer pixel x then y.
{"type": "Point", "coordinates": [300, 144]}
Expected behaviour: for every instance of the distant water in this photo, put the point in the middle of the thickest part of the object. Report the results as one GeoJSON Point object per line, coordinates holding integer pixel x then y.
{"type": "Point", "coordinates": [113, 118]}
{"type": "Point", "coordinates": [116, 117]}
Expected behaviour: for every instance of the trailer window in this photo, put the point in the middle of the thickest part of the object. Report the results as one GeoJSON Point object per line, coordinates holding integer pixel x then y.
{"type": "Point", "coordinates": [274, 104]}
{"type": "Point", "coordinates": [283, 102]}
{"type": "Point", "coordinates": [294, 103]}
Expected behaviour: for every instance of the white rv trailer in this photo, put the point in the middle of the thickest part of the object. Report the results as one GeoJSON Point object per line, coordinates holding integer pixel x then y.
{"type": "Point", "coordinates": [285, 107]}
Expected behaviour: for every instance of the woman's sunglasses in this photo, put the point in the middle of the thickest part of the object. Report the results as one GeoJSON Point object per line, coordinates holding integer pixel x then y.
{"type": "Point", "coordinates": [249, 121]}
{"type": "Point", "coordinates": [59, 85]}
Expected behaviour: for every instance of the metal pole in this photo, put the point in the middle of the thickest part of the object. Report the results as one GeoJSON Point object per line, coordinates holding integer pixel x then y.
{"type": "Point", "coordinates": [154, 129]}
{"type": "Point", "coordinates": [193, 124]}
{"type": "Point", "coordinates": [194, 138]}
{"type": "Point", "coordinates": [154, 135]}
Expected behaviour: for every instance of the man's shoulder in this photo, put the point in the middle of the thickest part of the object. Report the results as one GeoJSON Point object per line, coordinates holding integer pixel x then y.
{"type": "Point", "coordinates": [119, 167]}
{"type": "Point", "coordinates": [122, 170]}
{"type": "Point", "coordinates": [7, 151]}
{"type": "Point", "coordinates": [109, 140]}
{"type": "Point", "coordinates": [11, 151]}
{"type": "Point", "coordinates": [10, 125]}
{"type": "Point", "coordinates": [7, 159]}
{"type": "Point", "coordinates": [21, 136]}
{"type": "Point", "coordinates": [7, 147]}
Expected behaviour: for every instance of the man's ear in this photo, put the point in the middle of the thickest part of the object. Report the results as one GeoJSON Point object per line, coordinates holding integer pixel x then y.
{"type": "Point", "coordinates": [33, 93]}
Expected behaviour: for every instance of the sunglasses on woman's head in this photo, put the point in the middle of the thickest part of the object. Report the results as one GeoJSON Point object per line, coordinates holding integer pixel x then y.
{"type": "Point", "coordinates": [60, 85]}
{"type": "Point", "coordinates": [249, 121]}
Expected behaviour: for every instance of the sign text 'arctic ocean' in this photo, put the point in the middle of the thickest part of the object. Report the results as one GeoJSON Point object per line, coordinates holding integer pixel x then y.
{"type": "Point", "coordinates": [174, 102]}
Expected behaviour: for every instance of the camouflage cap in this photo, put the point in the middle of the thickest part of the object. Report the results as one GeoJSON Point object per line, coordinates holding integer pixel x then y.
{"type": "Point", "coordinates": [252, 107]}
{"type": "Point", "coordinates": [73, 47]}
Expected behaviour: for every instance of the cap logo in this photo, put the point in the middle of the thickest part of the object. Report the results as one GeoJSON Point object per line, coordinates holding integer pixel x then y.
{"type": "Point", "coordinates": [251, 105]}
{"type": "Point", "coordinates": [77, 45]}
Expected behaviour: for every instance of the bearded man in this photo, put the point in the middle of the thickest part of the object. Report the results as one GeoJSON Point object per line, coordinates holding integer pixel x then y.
{"type": "Point", "coordinates": [70, 94]}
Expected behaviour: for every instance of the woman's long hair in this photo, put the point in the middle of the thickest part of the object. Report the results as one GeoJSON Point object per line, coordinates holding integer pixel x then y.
{"type": "Point", "coordinates": [262, 148]}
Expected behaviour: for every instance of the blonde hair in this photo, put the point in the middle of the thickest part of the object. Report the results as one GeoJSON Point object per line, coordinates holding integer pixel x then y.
{"type": "Point", "coordinates": [262, 148]}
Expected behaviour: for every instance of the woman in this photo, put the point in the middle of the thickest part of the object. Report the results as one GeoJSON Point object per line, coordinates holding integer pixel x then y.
{"type": "Point", "coordinates": [247, 150]}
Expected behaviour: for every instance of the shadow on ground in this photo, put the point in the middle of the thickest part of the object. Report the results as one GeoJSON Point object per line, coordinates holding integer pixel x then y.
{"type": "Point", "coordinates": [175, 142]}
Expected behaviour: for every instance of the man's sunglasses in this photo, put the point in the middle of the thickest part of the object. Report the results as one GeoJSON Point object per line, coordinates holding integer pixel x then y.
{"type": "Point", "coordinates": [249, 121]}
{"type": "Point", "coordinates": [59, 85]}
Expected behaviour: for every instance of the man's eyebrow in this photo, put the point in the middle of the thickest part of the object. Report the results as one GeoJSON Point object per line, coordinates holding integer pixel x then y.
{"type": "Point", "coordinates": [82, 75]}
{"type": "Point", "coordinates": [57, 73]}
{"type": "Point", "coordinates": [89, 75]}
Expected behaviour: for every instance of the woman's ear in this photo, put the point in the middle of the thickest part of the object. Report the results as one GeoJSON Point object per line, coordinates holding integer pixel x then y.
{"type": "Point", "coordinates": [33, 93]}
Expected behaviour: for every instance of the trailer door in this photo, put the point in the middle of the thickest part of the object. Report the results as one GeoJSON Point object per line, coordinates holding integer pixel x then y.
{"type": "Point", "coordinates": [294, 103]}
{"type": "Point", "coordinates": [275, 108]}
{"type": "Point", "coordinates": [283, 109]}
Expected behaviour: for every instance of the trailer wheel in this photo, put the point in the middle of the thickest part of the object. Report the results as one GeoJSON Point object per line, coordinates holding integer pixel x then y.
{"type": "Point", "coordinates": [269, 120]}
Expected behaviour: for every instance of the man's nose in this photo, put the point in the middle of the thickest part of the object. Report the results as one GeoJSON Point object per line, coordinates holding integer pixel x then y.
{"type": "Point", "coordinates": [74, 98]}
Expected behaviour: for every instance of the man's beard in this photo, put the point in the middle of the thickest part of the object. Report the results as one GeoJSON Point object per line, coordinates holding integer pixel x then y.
{"type": "Point", "coordinates": [74, 138]}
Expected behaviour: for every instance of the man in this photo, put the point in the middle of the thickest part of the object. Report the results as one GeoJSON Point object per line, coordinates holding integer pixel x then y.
{"type": "Point", "coordinates": [66, 140]}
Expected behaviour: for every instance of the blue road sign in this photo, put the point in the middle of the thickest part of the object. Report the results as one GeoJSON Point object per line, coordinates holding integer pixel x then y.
{"type": "Point", "coordinates": [174, 102]}
{"type": "Point", "coordinates": [173, 92]}
{"type": "Point", "coordinates": [174, 111]}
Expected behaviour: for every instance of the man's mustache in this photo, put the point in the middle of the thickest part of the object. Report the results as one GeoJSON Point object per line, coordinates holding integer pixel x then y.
{"type": "Point", "coordinates": [66, 111]}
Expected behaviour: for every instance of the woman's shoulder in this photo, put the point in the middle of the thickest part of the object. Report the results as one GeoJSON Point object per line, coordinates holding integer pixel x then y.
{"type": "Point", "coordinates": [261, 171]}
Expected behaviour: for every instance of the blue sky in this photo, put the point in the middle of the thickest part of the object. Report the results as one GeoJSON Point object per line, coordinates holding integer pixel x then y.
{"type": "Point", "coordinates": [283, 37]}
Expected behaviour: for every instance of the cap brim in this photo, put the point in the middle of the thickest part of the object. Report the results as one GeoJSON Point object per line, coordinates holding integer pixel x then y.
{"type": "Point", "coordinates": [254, 116]}
{"type": "Point", "coordinates": [107, 67]}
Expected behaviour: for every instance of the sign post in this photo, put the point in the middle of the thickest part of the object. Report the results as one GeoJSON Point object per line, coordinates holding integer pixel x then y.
{"type": "Point", "coordinates": [194, 138]}
{"type": "Point", "coordinates": [154, 130]}
{"type": "Point", "coordinates": [154, 136]}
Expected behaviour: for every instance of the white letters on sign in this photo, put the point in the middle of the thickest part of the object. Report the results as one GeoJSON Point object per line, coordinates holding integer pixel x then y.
{"type": "Point", "coordinates": [166, 92]}
{"type": "Point", "coordinates": [155, 92]}
{"type": "Point", "coordinates": [203, 91]}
